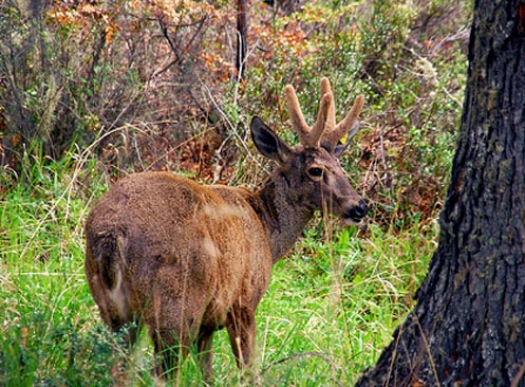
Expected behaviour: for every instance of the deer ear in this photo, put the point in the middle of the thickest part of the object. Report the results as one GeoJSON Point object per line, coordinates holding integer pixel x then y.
{"type": "Point", "coordinates": [268, 143]}
{"type": "Point", "coordinates": [340, 146]}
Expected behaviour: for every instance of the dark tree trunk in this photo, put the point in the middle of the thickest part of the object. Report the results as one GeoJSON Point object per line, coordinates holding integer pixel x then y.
{"type": "Point", "coordinates": [468, 327]}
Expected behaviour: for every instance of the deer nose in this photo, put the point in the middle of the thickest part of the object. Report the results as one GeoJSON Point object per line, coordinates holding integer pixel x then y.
{"type": "Point", "coordinates": [357, 212]}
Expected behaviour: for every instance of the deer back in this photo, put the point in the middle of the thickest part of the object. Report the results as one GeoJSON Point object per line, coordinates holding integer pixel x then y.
{"type": "Point", "coordinates": [201, 244]}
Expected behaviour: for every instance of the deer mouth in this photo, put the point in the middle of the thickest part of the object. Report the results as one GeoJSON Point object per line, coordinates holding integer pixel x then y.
{"type": "Point", "coordinates": [351, 221]}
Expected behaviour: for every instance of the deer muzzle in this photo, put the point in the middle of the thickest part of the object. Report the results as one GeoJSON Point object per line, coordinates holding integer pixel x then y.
{"type": "Point", "coordinates": [355, 213]}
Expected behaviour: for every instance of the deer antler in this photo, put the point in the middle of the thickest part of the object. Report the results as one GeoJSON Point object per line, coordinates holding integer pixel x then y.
{"type": "Point", "coordinates": [308, 136]}
{"type": "Point", "coordinates": [324, 129]}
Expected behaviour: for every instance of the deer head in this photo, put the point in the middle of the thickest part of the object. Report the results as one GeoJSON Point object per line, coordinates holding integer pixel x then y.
{"type": "Point", "coordinates": [312, 171]}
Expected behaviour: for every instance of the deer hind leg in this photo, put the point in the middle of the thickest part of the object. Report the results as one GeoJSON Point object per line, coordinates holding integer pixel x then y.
{"type": "Point", "coordinates": [172, 348]}
{"type": "Point", "coordinates": [205, 345]}
{"type": "Point", "coordinates": [172, 333]}
{"type": "Point", "coordinates": [170, 351]}
{"type": "Point", "coordinates": [241, 331]}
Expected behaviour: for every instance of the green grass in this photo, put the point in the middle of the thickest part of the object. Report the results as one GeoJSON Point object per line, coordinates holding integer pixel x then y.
{"type": "Point", "coordinates": [330, 308]}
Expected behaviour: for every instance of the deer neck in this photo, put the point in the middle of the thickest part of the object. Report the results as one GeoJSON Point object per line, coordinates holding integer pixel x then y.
{"type": "Point", "coordinates": [282, 213]}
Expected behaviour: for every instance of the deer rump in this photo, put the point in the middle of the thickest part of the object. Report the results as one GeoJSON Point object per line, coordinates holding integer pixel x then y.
{"type": "Point", "coordinates": [175, 256]}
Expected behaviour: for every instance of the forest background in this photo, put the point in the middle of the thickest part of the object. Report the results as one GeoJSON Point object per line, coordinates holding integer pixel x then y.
{"type": "Point", "coordinates": [91, 91]}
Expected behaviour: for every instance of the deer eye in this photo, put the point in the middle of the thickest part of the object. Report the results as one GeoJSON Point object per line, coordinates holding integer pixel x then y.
{"type": "Point", "coordinates": [315, 172]}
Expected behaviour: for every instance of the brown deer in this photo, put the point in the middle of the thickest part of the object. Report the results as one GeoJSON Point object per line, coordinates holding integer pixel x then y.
{"type": "Point", "coordinates": [186, 259]}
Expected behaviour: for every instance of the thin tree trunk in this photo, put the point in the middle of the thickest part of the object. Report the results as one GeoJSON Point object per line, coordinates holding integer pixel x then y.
{"type": "Point", "coordinates": [468, 327]}
{"type": "Point", "coordinates": [242, 41]}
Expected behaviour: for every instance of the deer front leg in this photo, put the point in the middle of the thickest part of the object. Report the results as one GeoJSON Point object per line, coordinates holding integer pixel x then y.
{"type": "Point", "coordinates": [241, 331]}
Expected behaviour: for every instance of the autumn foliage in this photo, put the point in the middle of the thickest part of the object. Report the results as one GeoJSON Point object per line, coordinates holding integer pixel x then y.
{"type": "Point", "coordinates": [153, 85]}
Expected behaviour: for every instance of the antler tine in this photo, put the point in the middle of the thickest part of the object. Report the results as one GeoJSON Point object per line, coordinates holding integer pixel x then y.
{"type": "Point", "coordinates": [325, 86]}
{"type": "Point", "coordinates": [343, 127]}
{"type": "Point", "coordinates": [326, 108]}
{"type": "Point", "coordinates": [330, 116]}
{"type": "Point", "coordinates": [309, 137]}
{"type": "Point", "coordinates": [296, 115]}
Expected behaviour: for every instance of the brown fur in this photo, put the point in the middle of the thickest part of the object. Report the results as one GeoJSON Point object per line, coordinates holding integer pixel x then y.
{"type": "Point", "coordinates": [186, 259]}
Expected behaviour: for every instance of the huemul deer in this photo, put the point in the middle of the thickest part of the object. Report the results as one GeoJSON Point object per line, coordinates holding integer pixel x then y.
{"type": "Point", "coordinates": [186, 259]}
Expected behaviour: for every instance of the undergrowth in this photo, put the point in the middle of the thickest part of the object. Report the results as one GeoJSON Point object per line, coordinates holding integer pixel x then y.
{"type": "Point", "coordinates": [331, 306]}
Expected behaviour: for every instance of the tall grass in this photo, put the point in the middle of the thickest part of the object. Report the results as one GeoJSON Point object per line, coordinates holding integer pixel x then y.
{"type": "Point", "coordinates": [331, 306]}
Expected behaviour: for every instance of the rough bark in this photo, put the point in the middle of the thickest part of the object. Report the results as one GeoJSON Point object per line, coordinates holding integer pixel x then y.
{"type": "Point", "coordinates": [468, 326]}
